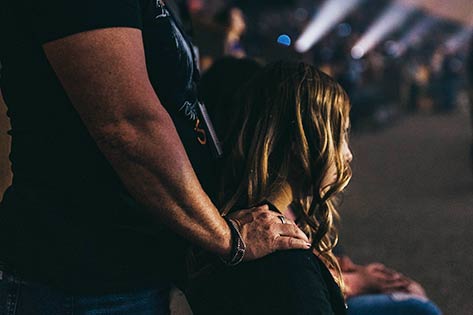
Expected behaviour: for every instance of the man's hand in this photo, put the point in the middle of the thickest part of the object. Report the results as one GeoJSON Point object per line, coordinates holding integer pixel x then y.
{"type": "Point", "coordinates": [264, 233]}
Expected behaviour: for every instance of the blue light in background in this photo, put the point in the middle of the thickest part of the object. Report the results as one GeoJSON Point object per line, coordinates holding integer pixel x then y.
{"type": "Point", "coordinates": [284, 40]}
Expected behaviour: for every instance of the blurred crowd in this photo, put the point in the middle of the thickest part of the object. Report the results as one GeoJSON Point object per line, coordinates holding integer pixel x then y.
{"type": "Point", "coordinates": [418, 67]}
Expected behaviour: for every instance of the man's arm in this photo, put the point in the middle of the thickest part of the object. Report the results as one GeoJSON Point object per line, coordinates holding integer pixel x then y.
{"type": "Point", "coordinates": [104, 73]}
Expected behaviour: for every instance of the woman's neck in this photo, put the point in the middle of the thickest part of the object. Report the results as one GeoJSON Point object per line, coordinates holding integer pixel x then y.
{"type": "Point", "coordinates": [282, 198]}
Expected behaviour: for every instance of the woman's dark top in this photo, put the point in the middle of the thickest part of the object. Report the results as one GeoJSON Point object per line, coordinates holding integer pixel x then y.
{"type": "Point", "coordinates": [292, 282]}
{"type": "Point", "coordinates": [67, 220]}
{"type": "Point", "coordinates": [286, 282]}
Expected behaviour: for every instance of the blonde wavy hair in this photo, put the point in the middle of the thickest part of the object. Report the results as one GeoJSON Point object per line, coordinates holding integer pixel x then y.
{"type": "Point", "coordinates": [288, 125]}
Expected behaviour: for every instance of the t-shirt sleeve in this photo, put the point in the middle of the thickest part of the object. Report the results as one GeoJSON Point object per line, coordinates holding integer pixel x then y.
{"type": "Point", "coordinates": [54, 19]}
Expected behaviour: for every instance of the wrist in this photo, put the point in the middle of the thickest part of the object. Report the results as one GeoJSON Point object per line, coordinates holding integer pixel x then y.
{"type": "Point", "coordinates": [238, 246]}
{"type": "Point", "coordinates": [226, 248]}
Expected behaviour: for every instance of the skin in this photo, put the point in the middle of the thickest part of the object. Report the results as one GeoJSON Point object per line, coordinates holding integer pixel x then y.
{"type": "Point", "coordinates": [237, 22]}
{"type": "Point", "coordinates": [104, 74]}
{"type": "Point", "coordinates": [375, 278]}
{"type": "Point", "coordinates": [235, 30]}
{"type": "Point", "coordinates": [331, 176]}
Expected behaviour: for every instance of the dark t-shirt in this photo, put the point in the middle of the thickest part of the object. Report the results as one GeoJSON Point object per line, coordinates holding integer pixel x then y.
{"type": "Point", "coordinates": [67, 220]}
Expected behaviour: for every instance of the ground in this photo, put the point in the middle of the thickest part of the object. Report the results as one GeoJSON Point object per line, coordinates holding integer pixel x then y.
{"type": "Point", "coordinates": [410, 204]}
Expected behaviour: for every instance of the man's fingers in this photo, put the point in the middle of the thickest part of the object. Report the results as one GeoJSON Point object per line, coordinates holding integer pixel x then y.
{"type": "Point", "coordinates": [291, 230]}
{"type": "Point", "coordinates": [287, 242]}
{"type": "Point", "coordinates": [260, 214]}
{"type": "Point", "coordinates": [263, 207]}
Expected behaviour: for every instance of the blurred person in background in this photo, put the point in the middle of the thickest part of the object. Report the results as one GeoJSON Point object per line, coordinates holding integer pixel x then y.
{"type": "Point", "coordinates": [233, 21]}
{"type": "Point", "coordinates": [450, 73]}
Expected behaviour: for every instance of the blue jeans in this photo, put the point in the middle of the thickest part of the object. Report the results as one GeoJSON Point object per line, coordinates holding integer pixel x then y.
{"type": "Point", "coordinates": [391, 304]}
{"type": "Point", "coordinates": [18, 297]}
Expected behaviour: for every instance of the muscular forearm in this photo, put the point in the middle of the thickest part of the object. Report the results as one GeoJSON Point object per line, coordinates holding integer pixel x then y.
{"type": "Point", "coordinates": [148, 155]}
{"type": "Point", "coordinates": [104, 74]}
